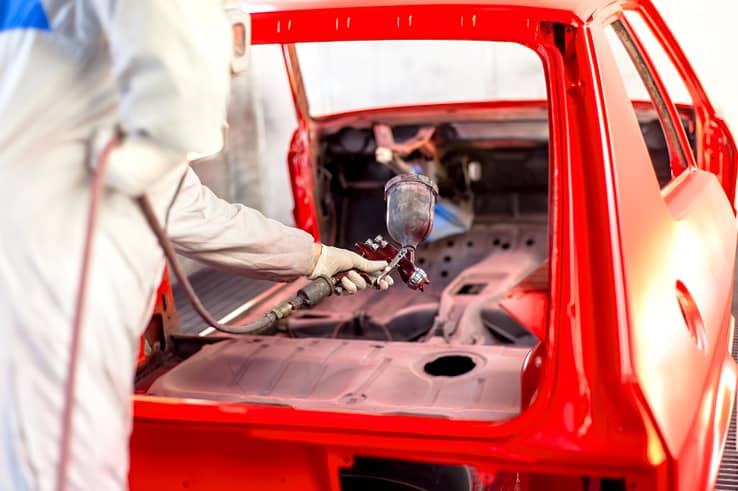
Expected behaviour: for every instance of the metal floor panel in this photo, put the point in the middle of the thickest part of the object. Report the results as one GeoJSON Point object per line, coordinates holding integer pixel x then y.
{"type": "Point", "coordinates": [462, 382]}
{"type": "Point", "coordinates": [221, 293]}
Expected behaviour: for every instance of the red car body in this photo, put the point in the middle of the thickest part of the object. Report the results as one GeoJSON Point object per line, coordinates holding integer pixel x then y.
{"type": "Point", "coordinates": [637, 383]}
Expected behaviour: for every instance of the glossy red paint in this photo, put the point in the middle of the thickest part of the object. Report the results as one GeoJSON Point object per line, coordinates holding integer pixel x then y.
{"type": "Point", "coordinates": [298, 157]}
{"type": "Point", "coordinates": [301, 180]}
{"type": "Point", "coordinates": [527, 302]}
{"type": "Point", "coordinates": [622, 391]}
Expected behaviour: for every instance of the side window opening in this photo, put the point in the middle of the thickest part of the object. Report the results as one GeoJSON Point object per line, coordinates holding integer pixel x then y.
{"type": "Point", "coordinates": [659, 131]}
{"type": "Point", "coordinates": [675, 84]}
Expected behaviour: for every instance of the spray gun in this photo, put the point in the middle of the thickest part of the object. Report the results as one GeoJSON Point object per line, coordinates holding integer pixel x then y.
{"type": "Point", "coordinates": [410, 201]}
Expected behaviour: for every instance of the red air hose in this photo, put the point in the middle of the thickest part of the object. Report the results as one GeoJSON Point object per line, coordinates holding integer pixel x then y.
{"type": "Point", "coordinates": [98, 186]}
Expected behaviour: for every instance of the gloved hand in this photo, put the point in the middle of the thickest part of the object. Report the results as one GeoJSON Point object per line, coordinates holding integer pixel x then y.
{"type": "Point", "coordinates": [332, 260]}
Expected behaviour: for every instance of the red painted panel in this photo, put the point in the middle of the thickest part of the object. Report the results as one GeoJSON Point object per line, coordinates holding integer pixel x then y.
{"type": "Point", "coordinates": [301, 180]}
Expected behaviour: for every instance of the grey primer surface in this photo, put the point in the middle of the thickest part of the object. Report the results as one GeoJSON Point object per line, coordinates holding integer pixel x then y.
{"type": "Point", "coordinates": [352, 375]}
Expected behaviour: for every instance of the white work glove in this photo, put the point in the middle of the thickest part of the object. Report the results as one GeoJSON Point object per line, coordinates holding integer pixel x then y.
{"type": "Point", "coordinates": [332, 260]}
{"type": "Point", "coordinates": [135, 164]}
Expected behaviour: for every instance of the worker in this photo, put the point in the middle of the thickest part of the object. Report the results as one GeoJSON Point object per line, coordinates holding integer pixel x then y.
{"type": "Point", "coordinates": [77, 75]}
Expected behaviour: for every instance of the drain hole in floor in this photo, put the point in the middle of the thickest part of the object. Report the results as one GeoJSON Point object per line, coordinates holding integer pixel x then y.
{"type": "Point", "coordinates": [450, 366]}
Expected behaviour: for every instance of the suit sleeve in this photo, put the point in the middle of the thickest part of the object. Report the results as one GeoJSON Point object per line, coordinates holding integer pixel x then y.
{"type": "Point", "coordinates": [171, 60]}
{"type": "Point", "coordinates": [235, 238]}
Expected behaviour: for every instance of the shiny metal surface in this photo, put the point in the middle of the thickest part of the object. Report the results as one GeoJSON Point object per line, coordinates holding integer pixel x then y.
{"type": "Point", "coordinates": [363, 376]}
{"type": "Point", "coordinates": [418, 279]}
{"type": "Point", "coordinates": [410, 202]}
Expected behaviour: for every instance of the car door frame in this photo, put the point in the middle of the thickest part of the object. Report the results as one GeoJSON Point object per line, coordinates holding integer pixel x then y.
{"type": "Point", "coordinates": [674, 258]}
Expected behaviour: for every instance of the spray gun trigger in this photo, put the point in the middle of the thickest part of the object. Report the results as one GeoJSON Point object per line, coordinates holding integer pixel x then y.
{"type": "Point", "coordinates": [393, 264]}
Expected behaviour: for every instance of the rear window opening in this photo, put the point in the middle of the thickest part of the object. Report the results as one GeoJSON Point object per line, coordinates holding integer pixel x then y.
{"type": "Point", "coordinates": [416, 72]}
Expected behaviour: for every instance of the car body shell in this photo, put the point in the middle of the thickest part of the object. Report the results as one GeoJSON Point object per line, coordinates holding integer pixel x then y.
{"type": "Point", "coordinates": [637, 380]}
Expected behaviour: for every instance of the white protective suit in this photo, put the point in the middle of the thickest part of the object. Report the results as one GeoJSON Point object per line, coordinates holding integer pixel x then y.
{"type": "Point", "coordinates": [68, 68]}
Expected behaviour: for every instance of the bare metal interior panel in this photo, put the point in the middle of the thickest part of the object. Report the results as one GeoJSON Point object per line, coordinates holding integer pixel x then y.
{"type": "Point", "coordinates": [479, 382]}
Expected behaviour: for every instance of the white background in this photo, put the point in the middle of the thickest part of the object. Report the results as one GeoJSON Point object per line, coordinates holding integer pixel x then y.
{"type": "Point", "coordinates": [707, 30]}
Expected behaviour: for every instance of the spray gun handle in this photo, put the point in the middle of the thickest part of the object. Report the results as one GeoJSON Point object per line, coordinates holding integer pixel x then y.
{"type": "Point", "coordinates": [376, 249]}
{"type": "Point", "coordinates": [379, 249]}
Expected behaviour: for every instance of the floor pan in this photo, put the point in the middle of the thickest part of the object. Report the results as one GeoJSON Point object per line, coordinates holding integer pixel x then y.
{"type": "Point", "coordinates": [463, 382]}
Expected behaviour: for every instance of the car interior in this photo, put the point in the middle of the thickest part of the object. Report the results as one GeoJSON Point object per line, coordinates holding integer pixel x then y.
{"type": "Point", "coordinates": [460, 349]}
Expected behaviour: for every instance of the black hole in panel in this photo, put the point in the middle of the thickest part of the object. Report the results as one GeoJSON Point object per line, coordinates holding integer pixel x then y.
{"type": "Point", "coordinates": [450, 366]}
{"type": "Point", "coordinates": [471, 289]}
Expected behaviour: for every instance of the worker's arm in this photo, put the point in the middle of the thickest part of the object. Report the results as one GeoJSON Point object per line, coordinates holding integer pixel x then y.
{"type": "Point", "coordinates": [234, 237]}
{"type": "Point", "coordinates": [241, 240]}
{"type": "Point", "coordinates": [171, 63]}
